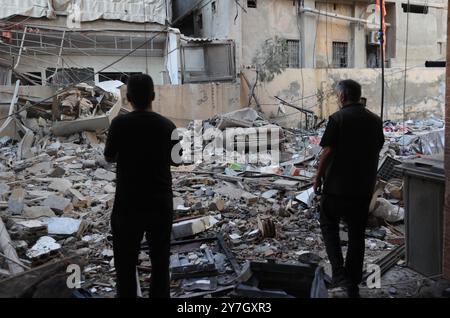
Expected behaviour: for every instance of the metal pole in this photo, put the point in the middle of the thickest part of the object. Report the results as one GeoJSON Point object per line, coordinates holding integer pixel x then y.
{"type": "Point", "coordinates": [382, 57]}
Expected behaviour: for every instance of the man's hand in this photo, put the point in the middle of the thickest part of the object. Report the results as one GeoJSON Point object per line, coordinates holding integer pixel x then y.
{"type": "Point", "coordinates": [317, 187]}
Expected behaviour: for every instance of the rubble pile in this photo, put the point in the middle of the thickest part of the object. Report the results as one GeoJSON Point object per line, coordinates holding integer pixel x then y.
{"type": "Point", "coordinates": [84, 101]}
{"type": "Point", "coordinates": [56, 202]}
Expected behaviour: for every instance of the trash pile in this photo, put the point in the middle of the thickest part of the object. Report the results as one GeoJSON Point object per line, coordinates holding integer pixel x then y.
{"type": "Point", "coordinates": [230, 212]}
{"type": "Point", "coordinates": [413, 138]}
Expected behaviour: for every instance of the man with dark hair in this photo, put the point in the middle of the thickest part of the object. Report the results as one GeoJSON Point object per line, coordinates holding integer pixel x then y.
{"type": "Point", "coordinates": [141, 143]}
{"type": "Point", "coordinates": [347, 170]}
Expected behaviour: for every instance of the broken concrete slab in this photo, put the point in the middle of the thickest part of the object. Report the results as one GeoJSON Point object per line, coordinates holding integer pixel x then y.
{"type": "Point", "coordinates": [60, 185]}
{"type": "Point", "coordinates": [44, 246]}
{"type": "Point", "coordinates": [42, 167]}
{"type": "Point", "coordinates": [16, 200]}
{"type": "Point", "coordinates": [40, 193]}
{"type": "Point", "coordinates": [103, 174]}
{"type": "Point", "coordinates": [62, 225]}
{"type": "Point", "coordinates": [65, 128]}
{"type": "Point", "coordinates": [269, 194]}
{"type": "Point", "coordinates": [306, 197]}
{"type": "Point", "coordinates": [79, 200]}
{"type": "Point", "coordinates": [109, 188]}
{"type": "Point", "coordinates": [89, 163]}
{"type": "Point", "coordinates": [91, 138]}
{"type": "Point", "coordinates": [37, 211]}
{"type": "Point", "coordinates": [57, 172]}
{"type": "Point", "coordinates": [191, 227]}
{"type": "Point", "coordinates": [217, 205]}
{"type": "Point", "coordinates": [7, 176]}
{"type": "Point", "coordinates": [58, 204]}
{"type": "Point", "coordinates": [28, 230]}
{"type": "Point", "coordinates": [4, 188]}
{"type": "Point", "coordinates": [286, 183]}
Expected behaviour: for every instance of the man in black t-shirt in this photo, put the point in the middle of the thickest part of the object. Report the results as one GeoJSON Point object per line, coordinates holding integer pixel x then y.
{"type": "Point", "coordinates": [141, 143]}
{"type": "Point", "coordinates": [347, 170]}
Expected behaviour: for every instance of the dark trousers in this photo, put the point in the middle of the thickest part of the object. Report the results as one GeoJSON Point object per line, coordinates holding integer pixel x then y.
{"type": "Point", "coordinates": [128, 228]}
{"type": "Point", "coordinates": [354, 211]}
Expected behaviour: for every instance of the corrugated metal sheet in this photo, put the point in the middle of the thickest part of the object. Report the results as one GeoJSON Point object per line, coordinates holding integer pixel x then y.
{"type": "Point", "coordinates": [197, 40]}
{"type": "Point", "coordinates": [91, 10]}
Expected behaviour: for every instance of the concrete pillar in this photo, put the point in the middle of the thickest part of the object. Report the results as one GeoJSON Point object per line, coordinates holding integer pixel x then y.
{"type": "Point", "coordinates": [309, 26]}
{"type": "Point", "coordinates": [446, 240]}
{"type": "Point", "coordinates": [358, 31]}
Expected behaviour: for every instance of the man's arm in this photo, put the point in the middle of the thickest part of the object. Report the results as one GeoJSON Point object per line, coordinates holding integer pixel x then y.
{"type": "Point", "coordinates": [324, 161]}
{"type": "Point", "coordinates": [329, 142]}
{"type": "Point", "coordinates": [111, 151]}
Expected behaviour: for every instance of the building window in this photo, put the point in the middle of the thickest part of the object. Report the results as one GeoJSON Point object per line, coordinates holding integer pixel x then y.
{"type": "Point", "coordinates": [113, 76]}
{"type": "Point", "coordinates": [413, 8]}
{"type": "Point", "coordinates": [213, 7]}
{"type": "Point", "coordinates": [340, 54]}
{"type": "Point", "coordinates": [293, 54]}
{"type": "Point", "coordinates": [208, 62]}
{"type": "Point", "coordinates": [29, 78]}
{"type": "Point", "coordinates": [251, 3]}
{"type": "Point", "coordinates": [200, 21]}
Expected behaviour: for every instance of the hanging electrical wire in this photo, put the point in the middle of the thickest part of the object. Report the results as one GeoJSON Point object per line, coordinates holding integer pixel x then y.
{"type": "Point", "coordinates": [406, 64]}
{"type": "Point", "coordinates": [145, 36]}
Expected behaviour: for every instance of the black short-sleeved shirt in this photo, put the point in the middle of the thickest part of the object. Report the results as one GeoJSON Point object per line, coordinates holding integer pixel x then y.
{"type": "Point", "coordinates": [356, 137]}
{"type": "Point", "coordinates": [142, 142]}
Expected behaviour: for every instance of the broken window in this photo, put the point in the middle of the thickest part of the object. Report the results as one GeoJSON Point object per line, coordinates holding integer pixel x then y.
{"type": "Point", "coordinates": [413, 8]}
{"type": "Point", "coordinates": [208, 62]}
{"type": "Point", "coordinates": [251, 3]}
{"type": "Point", "coordinates": [340, 54]}
{"type": "Point", "coordinates": [28, 78]}
{"type": "Point", "coordinates": [293, 54]}
{"type": "Point", "coordinates": [69, 76]}
{"type": "Point", "coordinates": [115, 76]}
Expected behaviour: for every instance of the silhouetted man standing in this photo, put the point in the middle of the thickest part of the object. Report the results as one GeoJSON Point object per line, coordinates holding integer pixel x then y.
{"type": "Point", "coordinates": [348, 166]}
{"type": "Point", "coordinates": [140, 142]}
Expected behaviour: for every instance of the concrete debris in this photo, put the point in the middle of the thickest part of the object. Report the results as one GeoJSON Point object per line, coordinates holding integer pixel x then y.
{"type": "Point", "coordinates": [57, 172]}
{"type": "Point", "coordinates": [388, 211]}
{"type": "Point", "coordinates": [306, 197]}
{"type": "Point", "coordinates": [60, 185]}
{"type": "Point", "coordinates": [43, 247]}
{"type": "Point", "coordinates": [37, 211]}
{"type": "Point", "coordinates": [226, 209]}
{"type": "Point", "coordinates": [58, 204]}
{"type": "Point", "coordinates": [16, 200]}
{"type": "Point", "coordinates": [62, 225]}
{"type": "Point", "coordinates": [191, 227]}
{"type": "Point", "coordinates": [29, 230]}
{"type": "Point", "coordinates": [103, 174]}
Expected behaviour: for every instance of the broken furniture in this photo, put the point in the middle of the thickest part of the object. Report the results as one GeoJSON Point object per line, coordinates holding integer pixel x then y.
{"type": "Point", "coordinates": [272, 280]}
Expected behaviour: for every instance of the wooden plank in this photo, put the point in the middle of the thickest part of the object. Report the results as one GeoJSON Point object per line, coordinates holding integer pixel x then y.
{"type": "Point", "coordinates": [12, 259]}
{"type": "Point", "coordinates": [48, 280]}
{"type": "Point", "coordinates": [228, 254]}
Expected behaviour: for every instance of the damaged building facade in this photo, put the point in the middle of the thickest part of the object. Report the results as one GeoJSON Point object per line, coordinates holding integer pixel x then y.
{"type": "Point", "coordinates": [59, 42]}
{"type": "Point", "coordinates": [301, 48]}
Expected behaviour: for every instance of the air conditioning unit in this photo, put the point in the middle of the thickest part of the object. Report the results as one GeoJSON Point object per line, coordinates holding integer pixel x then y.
{"type": "Point", "coordinates": [373, 38]}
